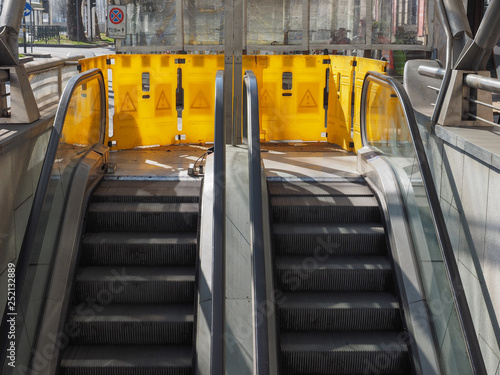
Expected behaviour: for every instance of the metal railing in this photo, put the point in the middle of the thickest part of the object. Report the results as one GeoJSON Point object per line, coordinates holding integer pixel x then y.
{"type": "Point", "coordinates": [251, 136]}
{"type": "Point", "coordinates": [48, 79]}
{"type": "Point", "coordinates": [219, 219]}
{"type": "Point", "coordinates": [473, 81]}
{"type": "Point", "coordinates": [28, 246]}
{"type": "Point", "coordinates": [450, 263]}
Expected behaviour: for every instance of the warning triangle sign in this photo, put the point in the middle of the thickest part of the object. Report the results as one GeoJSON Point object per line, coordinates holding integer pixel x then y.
{"type": "Point", "coordinates": [200, 102]}
{"type": "Point", "coordinates": [163, 102]}
{"type": "Point", "coordinates": [308, 100]}
{"type": "Point", "coordinates": [265, 99]}
{"type": "Point", "coordinates": [128, 104]}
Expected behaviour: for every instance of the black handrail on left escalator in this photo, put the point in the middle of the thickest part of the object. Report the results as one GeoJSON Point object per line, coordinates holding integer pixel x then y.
{"type": "Point", "coordinates": [28, 244]}
{"type": "Point", "coordinates": [251, 136]}
{"type": "Point", "coordinates": [450, 263]}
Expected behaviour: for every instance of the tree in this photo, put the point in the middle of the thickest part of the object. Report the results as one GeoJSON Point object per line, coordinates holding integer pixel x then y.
{"type": "Point", "coordinates": [76, 30]}
{"type": "Point", "coordinates": [60, 9]}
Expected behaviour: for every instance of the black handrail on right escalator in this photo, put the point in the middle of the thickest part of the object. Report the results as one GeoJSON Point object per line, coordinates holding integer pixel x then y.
{"type": "Point", "coordinates": [219, 218]}
{"type": "Point", "coordinates": [465, 318]}
{"type": "Point", "coordinates": [251, 136]}
{"type": "Point", "coordinates": [28, 244]}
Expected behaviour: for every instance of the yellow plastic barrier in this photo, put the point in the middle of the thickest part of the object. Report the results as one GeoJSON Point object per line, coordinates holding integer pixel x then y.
{"type": "Point", "coordinates": [81, 125]}
{"type": "Point", "coordinates": [144, 99]}
{"type": "Point", "coordinates": [99, 62]}
{"type": "Point", "coordinates": [198, 81]}
{"type": "Point", "coordinates": [340, 101]}
{"type": "Point", "coordinates": [363, 65]}
{"type": "Point", "coordinates": [385, 116]}
{"type": "Point", "coordinates": [291, 98]}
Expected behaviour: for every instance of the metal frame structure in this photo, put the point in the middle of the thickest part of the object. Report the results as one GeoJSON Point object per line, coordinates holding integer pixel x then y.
{"type": "Point", "coordinates": [236, 13]}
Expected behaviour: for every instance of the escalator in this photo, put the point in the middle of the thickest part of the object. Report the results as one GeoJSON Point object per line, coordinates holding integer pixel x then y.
{"type": "Point", "coordinates": [109, 269]}
{"type": "Point", "coordinates": [360, 270]}
{"type": "Point", "coordinates": [133, 300]}
{"type": "Point", "coordinates": [340, 311]}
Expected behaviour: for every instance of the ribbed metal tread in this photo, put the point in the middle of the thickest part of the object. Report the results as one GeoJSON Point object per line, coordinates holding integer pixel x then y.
{"type": "Point", "coordinates": [127, 360]}
{"type": "Point", "coordinates": [339, 312]}
{"type": "Point", "coordinates": [147, 217]}
{"type": "Point", "coordinates": [134, 324]}
{"type": "Point", "coordinates": [344, 353]}
{"type": "Point", "coordinates": [148, 191]}
{"type": "Point", "coordinates": [348, 228]}
{"type": "Point", "coordinates": [373, 274]}
{"type": "Point", "coordinates": [325, 209]}
{"type": "Point", "coordinates": [139, 248]}
{"type": "Point", "coordinates": [331, 239]}
{"type": "Point", "coordinates": [318, 189]}
{"type": "Point", "coordinates": [130, 284]}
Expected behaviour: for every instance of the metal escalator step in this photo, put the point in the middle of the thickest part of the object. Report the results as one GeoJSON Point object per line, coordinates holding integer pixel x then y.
{"type": "Point", "coordinates": [129, 284]}
{"type": "Point", "coordinates": [344, 353]}
{"type": "Point", "coordinates": [325, 209]}
{"type": "Point", "coordinates": [127, 360]}
{"type": "Point", "coordinates": [148, 217]}
{"type": "Point", "coordinates": [322, 239]}
{"type": "Point", "coordinates": [120, 324]}
{"type": "Point", "coordinates": [138, 248]}
{"type": "Point", "coordinates": [302, 188]}
{"type": "Point", "coordinates": [148, 191]}
{"type": "Point", "coordinates": [342, 274]}
{"type": "Point", "coordinates": [339, 312]}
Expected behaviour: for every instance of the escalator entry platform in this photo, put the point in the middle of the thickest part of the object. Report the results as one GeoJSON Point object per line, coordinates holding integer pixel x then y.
{"type": "Point", "coordinates": [133, 298]}
{"type": "Point", "coordinates": [339, 312]}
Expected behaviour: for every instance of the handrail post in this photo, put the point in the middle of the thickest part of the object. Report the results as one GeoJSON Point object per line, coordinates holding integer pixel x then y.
{"type": "Point", "coordinates": [252, 133]}
{"type": "Point", "coordinates": [217, 357]}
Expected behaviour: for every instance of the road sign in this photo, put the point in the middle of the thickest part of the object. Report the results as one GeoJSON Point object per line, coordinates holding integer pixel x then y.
{"type": "Point", "coordinates": [27, 10]}
{"type": "Point", "coordinates": [117, 21]}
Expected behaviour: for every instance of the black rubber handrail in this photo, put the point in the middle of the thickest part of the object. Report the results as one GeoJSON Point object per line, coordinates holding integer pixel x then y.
{"type": "Point", "coordinates": [28, 244]}
{"type": "Point", "coordinates": [217, 357]}
{"type": "Point", "coordinates": [464, 315]}
{"type": "Point", "coordinates": [251, 136]}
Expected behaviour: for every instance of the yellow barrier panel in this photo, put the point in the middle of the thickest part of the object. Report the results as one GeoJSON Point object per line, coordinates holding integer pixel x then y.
{"type": "Point", "coordinates": [385, 119]}
{"type": "Point", "coordinates": [84, 111]}
{"type": "Point", "coordinates": [291, 98]}
{"type": "Point", "coordinates": [198, 81]}
{"type": "Point", "coordinates": [363, 65]}
{"type": "Point", "coordinates": [340, 101]}
{"type": "Point", "coordinates": [145, 105]}
{"type": "Point", "coordinates": [99, 62]}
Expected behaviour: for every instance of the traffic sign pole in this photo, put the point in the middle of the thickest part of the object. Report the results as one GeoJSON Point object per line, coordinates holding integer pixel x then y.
{"type": "Point", "coordinates": [24, 34]}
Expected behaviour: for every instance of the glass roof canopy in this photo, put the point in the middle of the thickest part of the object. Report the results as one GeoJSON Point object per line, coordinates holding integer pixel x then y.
{"type": "Point", "coordinates": [278, 26]}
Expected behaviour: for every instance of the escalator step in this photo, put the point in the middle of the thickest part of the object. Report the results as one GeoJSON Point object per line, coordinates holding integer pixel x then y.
{"type": "Point", "coordinates": [135, 284]}
{"type": "Point", "coordinates": [147, 217]}
{"type": "Point", "coordinates": [344, 353]}
{"type": "Point", "coordinates": [345, 239]}
{"type": "Point", "coordinates": [373, 274]}
{"type": "Point", "coordinates": [325, 210]}
{"type": "Point", "coordinates": [148, 191]}
{"type": "Point", "coordinates": [127, 360]}
{"type": "Point", "coordinates": [132, 324]}
{"type": "Point", "coordinates": [318, 189]}
{"type": "Point", "coordinates": [339, 312]}
{"type": "Point", "coordinates": [139, 248]}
